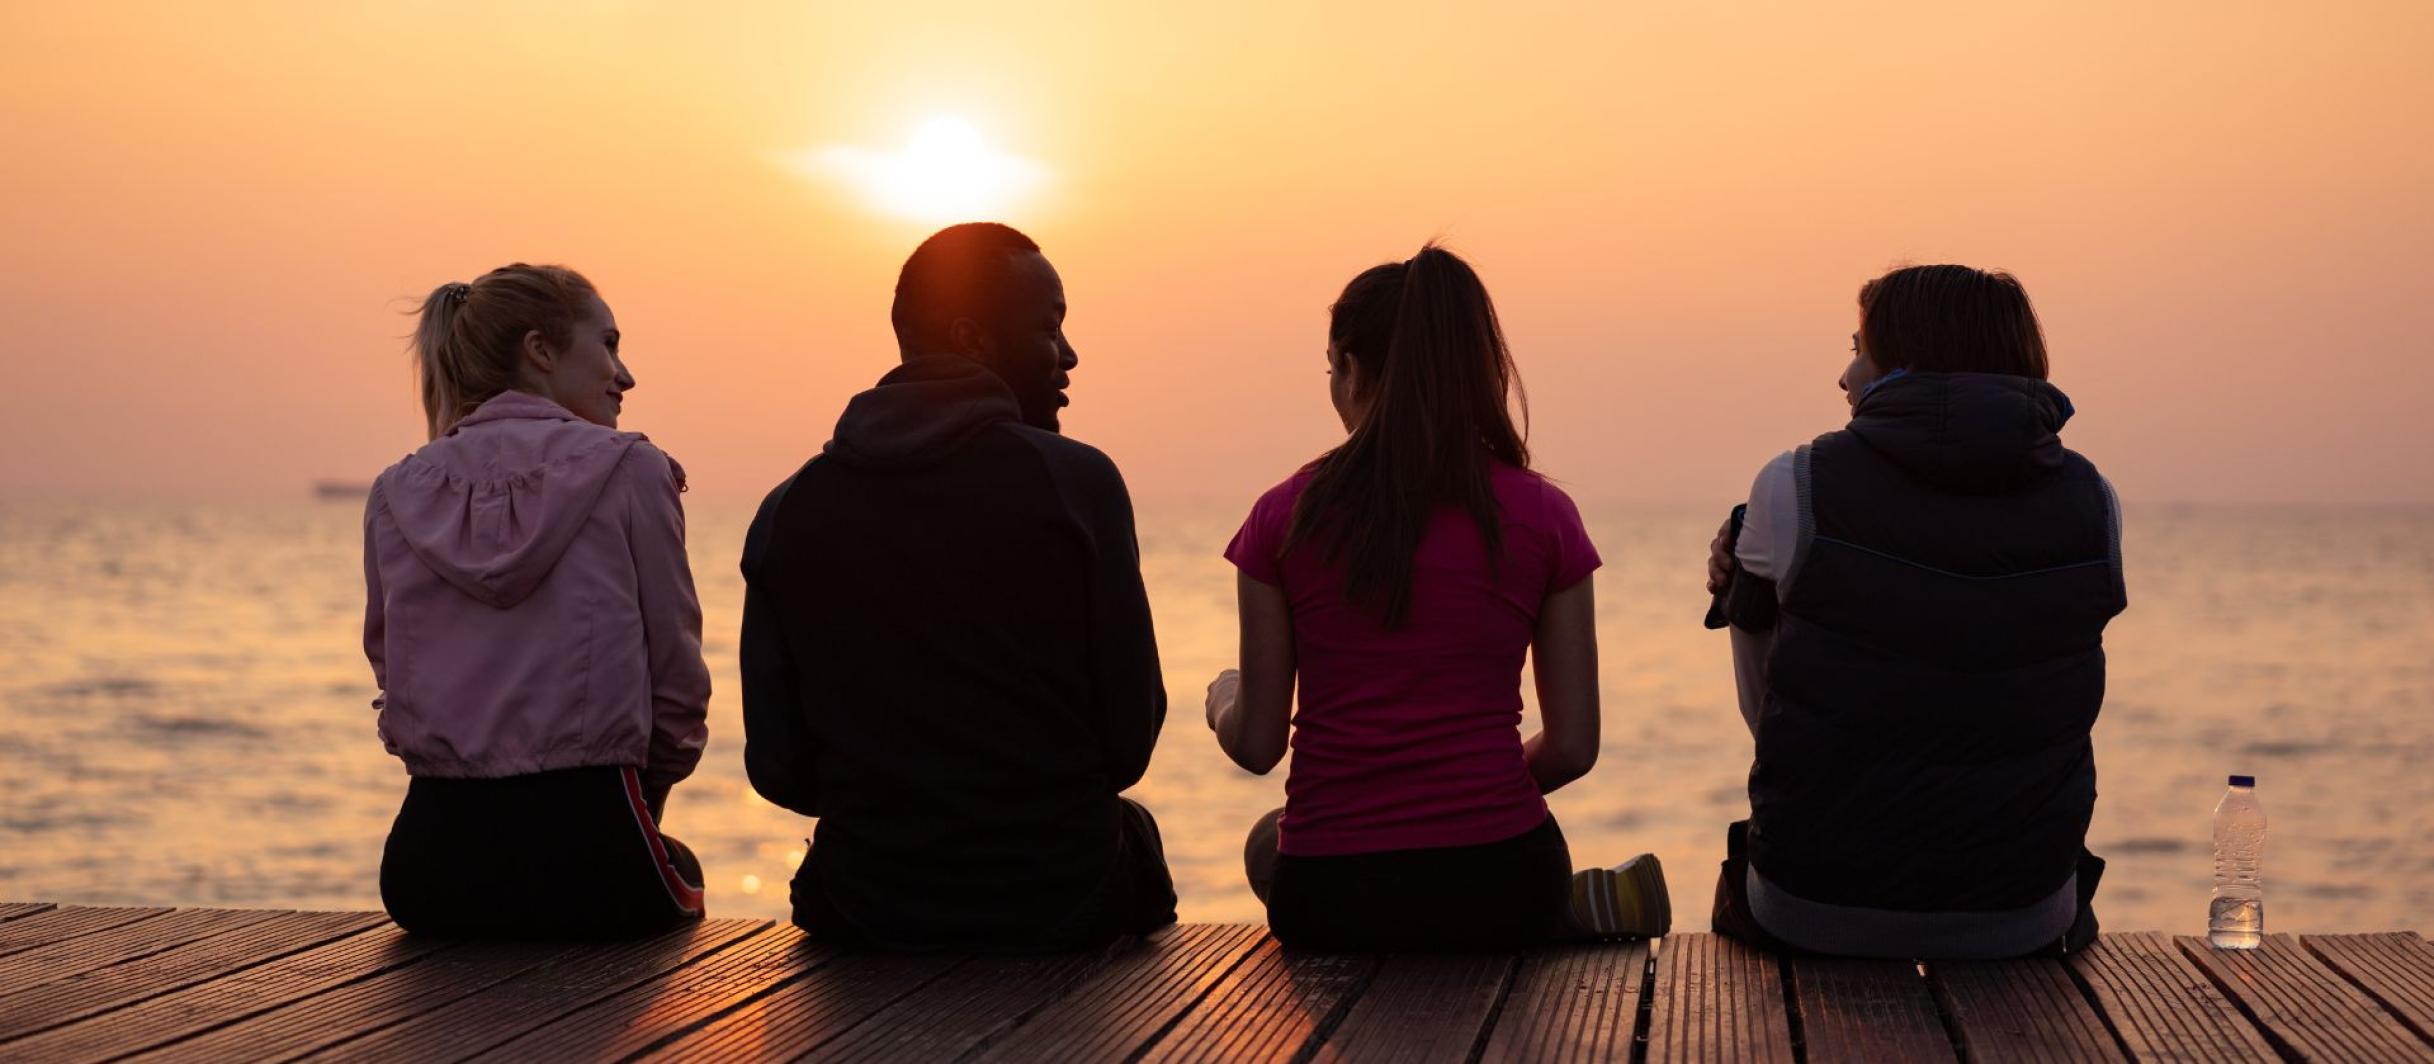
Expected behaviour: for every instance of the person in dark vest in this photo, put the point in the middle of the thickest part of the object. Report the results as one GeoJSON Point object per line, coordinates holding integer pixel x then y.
{"type": "Point", "coordinates": [946, 651]}
{"type": "Point", "coordinates": [1917, 605]}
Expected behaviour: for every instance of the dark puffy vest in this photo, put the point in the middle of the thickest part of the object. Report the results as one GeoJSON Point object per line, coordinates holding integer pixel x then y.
{"type": "Point", "coordinates": [1938, 658]}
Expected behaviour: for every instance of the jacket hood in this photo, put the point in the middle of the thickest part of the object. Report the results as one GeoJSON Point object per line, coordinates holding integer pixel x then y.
{"type": "Point", "coordinates": [920, 413]}
{"type": "Point", "coordinates": [493, 505]}
{"type": "Point", "coordinates": [1966, 432]}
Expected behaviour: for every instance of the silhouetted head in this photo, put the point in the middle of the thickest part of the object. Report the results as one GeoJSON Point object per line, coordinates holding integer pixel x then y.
{"type": "Point", "coordinates": [984, 292]}
{"type": "Point", "coordinates": [538, 329]}
{"type": "Point", "coordinates": [1943, 319]}
{"type": "Point", "coordinates": [1419, 372]}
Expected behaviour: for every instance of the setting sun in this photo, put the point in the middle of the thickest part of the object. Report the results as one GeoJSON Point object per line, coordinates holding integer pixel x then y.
{"type": "Point", "coordinates": [944, 172]}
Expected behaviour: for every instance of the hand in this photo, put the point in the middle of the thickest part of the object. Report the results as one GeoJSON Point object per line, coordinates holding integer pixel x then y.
{"type": "Point", "coordinates": [1720, 561]}
{"type": "Point", "coordinates": [1223, 691]}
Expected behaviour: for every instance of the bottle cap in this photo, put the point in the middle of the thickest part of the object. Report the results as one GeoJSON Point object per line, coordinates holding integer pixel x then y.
{"type": "Point", "coordinates": [2243, 781]}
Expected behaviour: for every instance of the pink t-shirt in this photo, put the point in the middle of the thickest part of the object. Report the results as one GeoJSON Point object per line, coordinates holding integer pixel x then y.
{"type": "Point", "coordinates": [1411, 739]}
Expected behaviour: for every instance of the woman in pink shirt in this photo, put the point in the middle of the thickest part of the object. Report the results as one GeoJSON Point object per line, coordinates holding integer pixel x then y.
{"type": "Point", "coordinates": [533, 628]}
{"type": "Point", "coordinates": [1400, 578]}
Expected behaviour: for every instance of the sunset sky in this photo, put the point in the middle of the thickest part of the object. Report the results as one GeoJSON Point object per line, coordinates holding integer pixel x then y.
{"type": "Point", "coordinates": [212, 216]}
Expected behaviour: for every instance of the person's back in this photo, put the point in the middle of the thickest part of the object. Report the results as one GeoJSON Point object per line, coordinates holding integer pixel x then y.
{"type": "Point", "coordinates": [949, 661]}
{"type": "Point", "coordinates": [1933, 582]}
{"type": "Point", "coordinates": [1409, 736]}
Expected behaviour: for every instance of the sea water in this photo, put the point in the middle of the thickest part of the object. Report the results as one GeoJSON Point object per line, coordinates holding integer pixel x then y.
{"type": "Point", "coordinates": [185, 710]}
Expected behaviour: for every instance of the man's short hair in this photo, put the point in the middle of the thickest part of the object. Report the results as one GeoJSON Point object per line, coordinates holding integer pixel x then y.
{"type": "Point", "coordinates": [961, 271]}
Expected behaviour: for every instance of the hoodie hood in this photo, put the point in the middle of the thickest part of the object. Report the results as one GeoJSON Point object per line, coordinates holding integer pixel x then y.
{"type": "Point", "coordinates": [1965, 432]}
{"type": "Point", "coordinates": [493, 505]}
{"type": "Point", "coordinates": [920, 413]}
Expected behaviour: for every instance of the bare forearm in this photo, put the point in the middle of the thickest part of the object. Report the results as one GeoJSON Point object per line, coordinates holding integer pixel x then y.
{"type": "Point", "coordinates": [1552, 767]}
{"type": "Point", "coordinates": [1242, 733]}
{"type": "Point", "coordinates": [1563, 657]}
{"type": "Point", "coordinates": [1253, 717]}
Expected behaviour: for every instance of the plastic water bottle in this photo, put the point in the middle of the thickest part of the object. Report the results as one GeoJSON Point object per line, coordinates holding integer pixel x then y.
{"type": "Point", "coordinates": [2236, 919]}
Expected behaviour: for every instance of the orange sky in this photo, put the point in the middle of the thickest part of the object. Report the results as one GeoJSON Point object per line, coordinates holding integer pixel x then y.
{"type": "Point", "coordinates": [211, 214]}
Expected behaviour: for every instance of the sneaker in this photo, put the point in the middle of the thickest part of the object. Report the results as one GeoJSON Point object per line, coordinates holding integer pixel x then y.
{"type": "Point", "coordinates": [1625, 901]}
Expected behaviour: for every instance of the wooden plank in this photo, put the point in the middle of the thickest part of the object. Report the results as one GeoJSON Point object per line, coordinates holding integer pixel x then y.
{"type": "Point", "coordinates": [118, 945]}
{"type": "Point", "coordinates": [1572, 1003]}
{"type": "Point", "coordinates": [966, 1008]}
{"type": "Point", "coordinates": [1866, 1010]}
{"type": "Point", "coordinates": [2395, 968]}
{"type": "Point", "coordinates": [1421, 1009]}
{"type": "Point", "coordinates": [1135, 998]}
{"type": "Point", "coordinates": [230, 998]}
{"type": "Point", "coordinates": [792, 1020]}
{"type": "Point", "coordinates": [257, 985]}
{"type": "Point", "coordinates": [654, 1011]}
{"type": "Point", "coordinates": [358, 1008]}
{"type": "Point", "coordinates": [10, 910]}
{"type": "Point", "coordinates": [99, 991]}
{"type": "Point", "coordinates": [519, 1004]}
{"type": "Point", "coordinates": [2027, 1010]}
{"type": "Point", "coordinates": [2161, 1006]}
{"type": "Point", "coordinates": [58, 925]}
{"type": "Point", "coordinates": [1716, 999]}
{"type": "Point", "coordinates": [1270, 1006]}
{"type": "Point", "coordinates": [2306, 1010]}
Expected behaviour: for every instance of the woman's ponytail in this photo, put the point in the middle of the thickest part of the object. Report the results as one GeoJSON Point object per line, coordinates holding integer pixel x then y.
{"type": "Point", "coordinates": [1448, 363]}
{"type": "Point", "coordinates": [469, 337]}
{"type": "Point", "coordinates": [1438, 382]}
{"type": "Point", "coordinates": [436, 355]}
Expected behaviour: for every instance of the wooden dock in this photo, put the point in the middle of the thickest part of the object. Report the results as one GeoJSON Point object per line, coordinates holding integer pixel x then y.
{"type": "Point", "coordinates": [80, 983]}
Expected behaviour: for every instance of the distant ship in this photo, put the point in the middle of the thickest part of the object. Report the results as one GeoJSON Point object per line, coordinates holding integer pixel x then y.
{"type": "Point", "coordinates": [340, 489]}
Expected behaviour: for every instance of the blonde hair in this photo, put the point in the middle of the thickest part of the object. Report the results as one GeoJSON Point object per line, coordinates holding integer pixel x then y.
{"type": "Point", "coordinates": [469, 337]}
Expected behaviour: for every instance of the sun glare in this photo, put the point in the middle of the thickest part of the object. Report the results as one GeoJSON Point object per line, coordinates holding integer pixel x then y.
{"type": "Point", "coordinates": [944, 172]}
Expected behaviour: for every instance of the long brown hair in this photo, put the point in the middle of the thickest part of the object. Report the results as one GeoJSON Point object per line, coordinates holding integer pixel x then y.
{"type": "Point", "coordinates": [1951, 319]}
{"type": "Point", "coordinates": [1439, 382]}
{"type": "Point", "coordinates": [469, 338]}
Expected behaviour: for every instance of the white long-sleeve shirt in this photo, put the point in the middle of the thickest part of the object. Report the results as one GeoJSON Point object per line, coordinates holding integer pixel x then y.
{"type": "Point", "coordinates": [1770, 530]}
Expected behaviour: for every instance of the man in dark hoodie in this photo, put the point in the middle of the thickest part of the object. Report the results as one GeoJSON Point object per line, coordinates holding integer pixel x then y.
{"type": "Point", "coordinates": [947, 655]}
{"type": "Point", "coordinates": [1918, 604]}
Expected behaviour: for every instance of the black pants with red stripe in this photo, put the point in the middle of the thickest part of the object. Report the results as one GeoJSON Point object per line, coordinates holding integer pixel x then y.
{"type": "Point", "coordinates": [569, 854]}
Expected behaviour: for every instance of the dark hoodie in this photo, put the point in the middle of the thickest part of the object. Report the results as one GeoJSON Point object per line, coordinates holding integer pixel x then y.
{"type": "Point", "coordinates": [947, 658]}
{"type": "Point", "coordinates": [1938, 656]}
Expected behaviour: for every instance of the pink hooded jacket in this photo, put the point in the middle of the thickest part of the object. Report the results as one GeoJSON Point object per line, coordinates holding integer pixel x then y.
{"type": "Point", "coordinates": [530, 606]}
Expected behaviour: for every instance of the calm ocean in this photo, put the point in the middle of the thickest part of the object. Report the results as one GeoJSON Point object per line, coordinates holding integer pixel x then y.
{"type": "Point", "coordinates": [184, 718]}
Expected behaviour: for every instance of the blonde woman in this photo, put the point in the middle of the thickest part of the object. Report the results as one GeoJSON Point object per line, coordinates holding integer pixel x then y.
{"type": "Point", "coordinates": [533, 628]}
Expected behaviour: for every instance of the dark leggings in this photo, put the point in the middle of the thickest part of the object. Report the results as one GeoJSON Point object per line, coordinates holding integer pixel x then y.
{"type": "Point", "coordinates": [1507, 894]}
{"type": "Point", "coordinates": [569, 854]}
